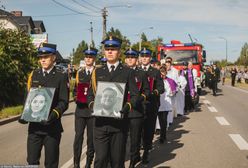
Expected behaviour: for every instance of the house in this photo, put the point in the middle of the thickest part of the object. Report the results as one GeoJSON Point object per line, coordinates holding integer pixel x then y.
{"type": "Point", "coordinates": [15, 20]}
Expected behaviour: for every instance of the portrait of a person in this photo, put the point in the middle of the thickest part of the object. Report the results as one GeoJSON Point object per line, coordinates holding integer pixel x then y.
{"type": "Point", "coordinates": [108, 102]}
{"type": "Point", "coordinates": [37, 106]}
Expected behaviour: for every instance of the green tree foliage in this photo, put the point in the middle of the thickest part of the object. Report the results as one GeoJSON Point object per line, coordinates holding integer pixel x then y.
{"type": "Point", "coordinates": [78, 53]}
{"type": "Point", "coordinates": [152, 45]}
{"type": "Point", "coordinates": [17, 59]}
{"type": "Point", "coordinates": [143, 37]}
{"type": "Point", "coordinates": [243, 58]}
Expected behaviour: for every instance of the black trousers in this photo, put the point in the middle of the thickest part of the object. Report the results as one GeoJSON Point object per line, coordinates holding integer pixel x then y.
{"type": "Point", "coordinates": [135, 129]}
{"type": "Point", "coordinates": [149, 129]}
{"type": "Point", "coordinates": [233, 80]}
{"type": "Point", "coordinates": [51, 144]}
{"type": "Point", "coordinates": [109, 147]}
{"type": "Point", "coordinates": [162, 117]}
{"type": "Point", "coordinates": [80, 124]}
{"type": "Point", "coordinates": [214, 86]}
{"type": "Point", "coordinates": [188, 101]}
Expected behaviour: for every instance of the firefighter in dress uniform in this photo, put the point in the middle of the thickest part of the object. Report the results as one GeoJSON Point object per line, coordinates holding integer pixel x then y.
{"type": "Point", "coordinates": [83, 118]}
{"type": "Point", "coordinates": [136, 116]}
{"type": "Point", "coordinates": [110, 133]}
{"type": "Point", "coordinates": [47, 133]}
{"type": "Point", "coordinates": [151, 108]}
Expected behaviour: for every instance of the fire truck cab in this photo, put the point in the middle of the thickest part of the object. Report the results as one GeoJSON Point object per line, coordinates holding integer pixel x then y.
{"type": "Point", "coordinates": [184, 52]}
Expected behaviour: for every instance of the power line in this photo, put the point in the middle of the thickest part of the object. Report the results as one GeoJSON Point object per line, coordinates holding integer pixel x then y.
{"type": "Point", "coordinates": [84, 6]}
{"type": "Point", "coordinates": [66, 14]}
{"type": "Point", "coordinates": [58, 3]}
{"type": "Point", "coordinates": [91, 5]}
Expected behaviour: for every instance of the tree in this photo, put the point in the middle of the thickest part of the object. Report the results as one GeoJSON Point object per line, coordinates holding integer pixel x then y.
{"type": "Point", "coordinates": [143, 37]}
{"type": "Point", "coordinates": [17, 59]}
{"type": "Point", "coordinates": [78, 53]}
{"type": "Point", "coordinates": [243, 58]}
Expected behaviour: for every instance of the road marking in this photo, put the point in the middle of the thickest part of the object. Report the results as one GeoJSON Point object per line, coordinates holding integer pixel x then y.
{"type": "Point", "coordinates": [242, 90]}
{"type": "Point", "coordinates": [239, 141]}
{"type": "Point", "coordinates": [70, 162]}
{"type": "Point", "coordinates": [222, 121]}
{"type": "Point", "coordinates": [206, 102]}
{"type": "Point", "coordinates": [212, 109]}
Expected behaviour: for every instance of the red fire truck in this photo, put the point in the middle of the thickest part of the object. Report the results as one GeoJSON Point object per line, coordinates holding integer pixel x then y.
{"type": "Point", "coordinates": [184, 52]}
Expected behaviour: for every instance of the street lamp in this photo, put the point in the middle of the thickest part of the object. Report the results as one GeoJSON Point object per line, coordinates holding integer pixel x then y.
{"type": "Point", "coordinates": [226, 46]}
{"type": "Point", "coordinates": [141, 34]}
{"type": "Point", "coordinates": [104, 16]}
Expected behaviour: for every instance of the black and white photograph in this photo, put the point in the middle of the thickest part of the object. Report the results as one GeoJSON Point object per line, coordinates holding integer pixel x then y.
{"type": "Point", "coordinates": [38, 104]}
{"type": "Point", "coordinates": [109, 99]}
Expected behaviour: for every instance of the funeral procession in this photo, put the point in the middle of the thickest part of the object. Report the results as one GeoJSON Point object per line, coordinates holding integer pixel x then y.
{"type": "Point", "coordinates": [123, 84]}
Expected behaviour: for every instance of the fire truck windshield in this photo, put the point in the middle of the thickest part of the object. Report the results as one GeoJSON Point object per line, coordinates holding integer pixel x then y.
{"type": "Point", "coordinates": [180, 56]}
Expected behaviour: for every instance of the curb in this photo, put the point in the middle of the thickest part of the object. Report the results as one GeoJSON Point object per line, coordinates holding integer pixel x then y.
{"type": "Point", "coordinates": [8, 120]}
{"type": "Point", "coordinates": [14, 118]}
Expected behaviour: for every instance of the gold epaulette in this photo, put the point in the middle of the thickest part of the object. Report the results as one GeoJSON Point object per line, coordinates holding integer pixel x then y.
{"type": "Point", "coordinates": [143, 96]}
{"type": "Point", "coordinates": [29, 81]}
{"type": "Point", "coordinates": [93, 81]}
{"type": "Point", "coordinates": [93, 78]}
{"type": "Point", "coordinates": [130, 106]}
{"type": "Point", "coordinates": [77, 77]}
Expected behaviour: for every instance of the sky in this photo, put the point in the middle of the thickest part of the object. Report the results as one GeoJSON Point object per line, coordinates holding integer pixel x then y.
{"type": "Point", "coordinates": [209, 22]}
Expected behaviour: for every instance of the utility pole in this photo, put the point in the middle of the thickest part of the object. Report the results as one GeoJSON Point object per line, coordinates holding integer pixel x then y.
{"type": "Point", "coordinates": [104, 16]}
{"type": "Point", "coordinates": [91, 34]}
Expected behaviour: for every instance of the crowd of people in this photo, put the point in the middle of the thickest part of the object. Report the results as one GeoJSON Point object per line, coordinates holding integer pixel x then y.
{"type": "Point", "coordinates": [154, 94]}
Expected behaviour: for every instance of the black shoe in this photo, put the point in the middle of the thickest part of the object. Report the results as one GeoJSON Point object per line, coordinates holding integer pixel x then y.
{"type": "Point", "coordinates": [145, 157]}
{"type": "Point", "coordinates": [76, 165]}
{"type": "Point", "coordinates": [88, 163]}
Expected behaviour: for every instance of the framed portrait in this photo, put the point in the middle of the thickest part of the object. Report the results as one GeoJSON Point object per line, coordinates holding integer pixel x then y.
{"type": "Point", "coordinates": [109, 99]}
{"type": "Point", "coordinates": [38, 104]}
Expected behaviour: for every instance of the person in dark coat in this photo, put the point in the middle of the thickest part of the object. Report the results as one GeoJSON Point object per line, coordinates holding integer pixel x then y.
{"type": "Point", "coordinates": [110, 133]}
{"type": "Point", "coordinates": [83, 118]}
{"type": "Point", "coordinates": [151, 108]}
{"type": "Point", "coordinates": [233, 75]}
{"type": "Point", "coordinates": [136, 116]}
{"type": "Point", "coordinates": [215, 78]}
{"type": "Point", "coordinates": [47, 133]}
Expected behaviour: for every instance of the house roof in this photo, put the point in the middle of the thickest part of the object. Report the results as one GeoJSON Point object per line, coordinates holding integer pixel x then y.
{"type": "Point", "coordinates": [9, 16]}
{"type": "Point", "coordinates": [39, 23]}
{"type": "Point", "coordinates": [5, 13]}
{"type": "Point", "coordinates": [22, 20]}
{"type": "Point", "coordinates": [25, 20]}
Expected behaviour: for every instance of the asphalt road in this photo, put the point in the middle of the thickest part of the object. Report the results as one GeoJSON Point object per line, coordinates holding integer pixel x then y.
{"type": "Point", "coordinates": [213, 136]}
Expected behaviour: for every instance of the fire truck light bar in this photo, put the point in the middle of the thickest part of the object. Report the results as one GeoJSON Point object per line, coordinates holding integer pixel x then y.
{"type": "Point", "coordinates": [179, 45]}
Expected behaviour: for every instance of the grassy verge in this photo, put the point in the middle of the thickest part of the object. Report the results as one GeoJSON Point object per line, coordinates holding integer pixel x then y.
{"type": "Point", "coordinates": [10, 111]}
{"type": "Point", "coordinates": [241, 85]}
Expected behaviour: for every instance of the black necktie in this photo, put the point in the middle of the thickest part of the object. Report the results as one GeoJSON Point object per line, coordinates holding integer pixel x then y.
{"type": "Point", "coordinates": [88, 72]}
{"type": "Point", "coordinates": [112, 68]}
{"type": "Point", "coordinates": [45, 73]}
